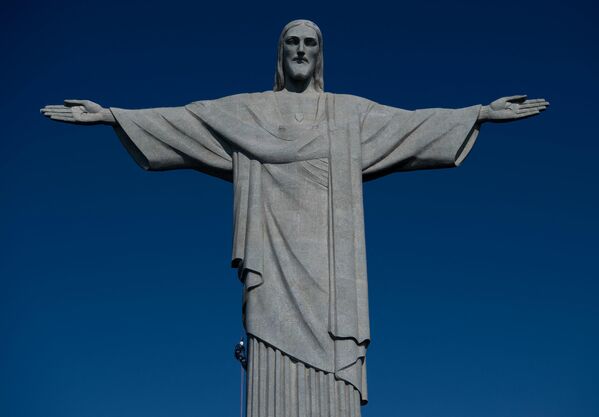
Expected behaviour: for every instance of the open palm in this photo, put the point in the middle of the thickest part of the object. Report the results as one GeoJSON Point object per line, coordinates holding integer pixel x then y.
{"type": "Point", "coordinates": [511, 108]}
{"type": "Point", "coordinates": [83, 112]}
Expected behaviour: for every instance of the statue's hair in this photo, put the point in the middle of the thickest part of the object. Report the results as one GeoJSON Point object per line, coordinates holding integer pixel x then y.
{"type": "Point", "coordinates": [318, 72]}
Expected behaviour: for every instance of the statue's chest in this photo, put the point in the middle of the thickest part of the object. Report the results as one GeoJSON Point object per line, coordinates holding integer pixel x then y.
{"type": "Point", "coordinates": [298, 110]}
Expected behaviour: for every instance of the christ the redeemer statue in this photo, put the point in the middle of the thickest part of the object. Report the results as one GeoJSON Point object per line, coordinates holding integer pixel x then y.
{"type": "Point", "coordinates": [297, 158]}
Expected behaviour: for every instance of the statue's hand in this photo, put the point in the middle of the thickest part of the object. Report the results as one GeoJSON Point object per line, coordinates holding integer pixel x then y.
{"type": "Point", "coordinates": [511, 108]}
{"type": "Point", "coordinates": [83, 112]}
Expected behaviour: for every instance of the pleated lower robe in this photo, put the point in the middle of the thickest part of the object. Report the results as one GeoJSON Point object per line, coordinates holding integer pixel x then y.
{"type": "Point", "coordinates": [280, 386]}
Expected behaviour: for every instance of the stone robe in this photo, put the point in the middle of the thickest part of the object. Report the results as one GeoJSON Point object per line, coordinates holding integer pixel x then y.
{"type": "Point", "coordinates": [298, 239]}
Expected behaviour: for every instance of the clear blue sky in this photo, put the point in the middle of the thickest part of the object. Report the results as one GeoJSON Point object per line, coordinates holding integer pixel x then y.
{"type": "Point", "coordinates": [116, 297]}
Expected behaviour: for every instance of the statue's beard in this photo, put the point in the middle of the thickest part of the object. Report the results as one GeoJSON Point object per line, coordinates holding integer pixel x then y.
{"type": "Point", "coordinates": [299, 71]}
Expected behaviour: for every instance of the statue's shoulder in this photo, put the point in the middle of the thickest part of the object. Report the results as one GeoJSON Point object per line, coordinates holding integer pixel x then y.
{"type": "Point", "coordinates": [234, 102]}
{"type": "Point", "coordinates": [350, 101]}
{"type": "Point", "coordinates": [245, 98]}
{"type": "Point", "coordinates": [367, 106]}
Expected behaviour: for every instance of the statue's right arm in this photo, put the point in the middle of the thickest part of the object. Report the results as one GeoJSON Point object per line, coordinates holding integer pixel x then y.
{"type": "Point", "coordinates": [80, 112]}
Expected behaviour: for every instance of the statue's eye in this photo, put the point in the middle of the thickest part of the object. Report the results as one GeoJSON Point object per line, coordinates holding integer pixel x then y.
{"type": "Point", "coordinates": [310, 42]}
{"type": "Point", "coordinates": [292, 40]}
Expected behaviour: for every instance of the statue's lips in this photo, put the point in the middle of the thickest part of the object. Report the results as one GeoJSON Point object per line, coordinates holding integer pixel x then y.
{"type": "Point", "coordinates": [300, 61]}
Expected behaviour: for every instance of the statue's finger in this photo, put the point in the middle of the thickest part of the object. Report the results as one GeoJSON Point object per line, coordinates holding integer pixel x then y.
{"type": "Point", "coordinates": [532, 109]}
{"type": "Point", "coordinates": [63, 110]}
{"type": "Point", "coordinates": [528, 103]}
{"type": "Point", "coordinates": [63, 118]}
{"type": "Point", "coordinates": [518, 97]}
{"type": "Point", "coordinates": [62, 115]}
{"type": "Point", "coordinates": [528, 114]}
{"type": "Point", "coordinates": [55, 106]}
{"type": "Point", "coordinates": [528, 106]}
{"type": "Point", "coordinates": [49, 114]}
{"type": "Point", "coordinates": [537, 101]}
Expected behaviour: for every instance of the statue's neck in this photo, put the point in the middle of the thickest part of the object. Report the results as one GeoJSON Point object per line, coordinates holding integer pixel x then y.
{"type": "Point", "coordinates": [300, 86]}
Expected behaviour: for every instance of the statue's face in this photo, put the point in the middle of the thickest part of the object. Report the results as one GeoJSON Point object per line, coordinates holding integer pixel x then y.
{"type": "Point", "coordinates": [300, 52]}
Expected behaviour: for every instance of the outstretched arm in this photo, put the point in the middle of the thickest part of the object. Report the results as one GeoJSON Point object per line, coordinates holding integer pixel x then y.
{"type": "Point", "coordinates": [80, 112]}
{"type": "Point", "coordinates": [157, 139]}
{"type": "Point", "coordinates": [507, 109]}
{"type": "Point", "coordinates": [400, 140]}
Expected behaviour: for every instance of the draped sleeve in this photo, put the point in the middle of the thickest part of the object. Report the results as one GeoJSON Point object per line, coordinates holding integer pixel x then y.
{"type": "Point", "coordinates": [173, 138]}
{"type": "Point", "coordinates": [400, 140]}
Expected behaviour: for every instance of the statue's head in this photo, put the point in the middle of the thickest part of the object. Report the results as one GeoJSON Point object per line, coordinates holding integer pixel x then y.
{"type": "Point", "coordinates": [299, 54]}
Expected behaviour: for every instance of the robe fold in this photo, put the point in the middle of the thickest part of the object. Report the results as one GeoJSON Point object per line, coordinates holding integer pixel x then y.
{"type": "Point", "coordinates": [298, 241]}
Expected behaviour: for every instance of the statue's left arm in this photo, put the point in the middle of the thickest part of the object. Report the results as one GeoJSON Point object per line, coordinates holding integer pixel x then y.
{"type": "Point", "coordinates": [399, 140]}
